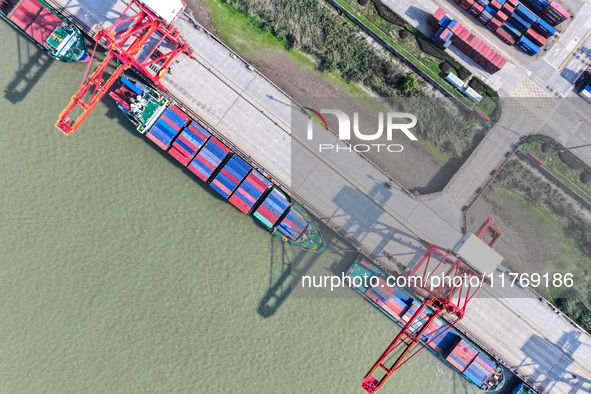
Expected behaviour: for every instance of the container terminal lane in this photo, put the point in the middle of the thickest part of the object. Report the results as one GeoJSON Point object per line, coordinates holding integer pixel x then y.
{"type": "Point", "coordinates": [356, 199]}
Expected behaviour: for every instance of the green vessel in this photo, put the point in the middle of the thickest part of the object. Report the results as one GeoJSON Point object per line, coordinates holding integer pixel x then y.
{"type": "Point", "coordinates": [309, 239]}
{"type": "Point", "coordinates": [46, 28]}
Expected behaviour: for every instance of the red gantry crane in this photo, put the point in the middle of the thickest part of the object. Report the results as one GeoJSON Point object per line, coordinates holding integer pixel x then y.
{"type": "Point", "coordinates": [449, 296]}
{"type": "Point", "coordinates": [142, 37]}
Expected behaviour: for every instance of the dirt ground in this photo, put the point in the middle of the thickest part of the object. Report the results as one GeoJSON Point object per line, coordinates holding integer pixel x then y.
{"type": "Point", "coordinates": [533, 240]}
{"type": "Point", "coordinates": [414, 168]}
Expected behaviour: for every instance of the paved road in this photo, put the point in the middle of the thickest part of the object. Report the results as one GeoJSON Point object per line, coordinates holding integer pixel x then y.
{"type": "Point", "coordinates": [347, 191]}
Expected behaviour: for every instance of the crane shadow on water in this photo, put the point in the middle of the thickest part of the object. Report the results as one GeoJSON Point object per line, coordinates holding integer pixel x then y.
{"type": "Point", "coordinates": [32, 65]}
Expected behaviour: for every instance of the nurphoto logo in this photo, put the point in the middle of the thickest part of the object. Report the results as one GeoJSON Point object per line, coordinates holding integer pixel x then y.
{"type": "Point", "coordinates": [344, 130]}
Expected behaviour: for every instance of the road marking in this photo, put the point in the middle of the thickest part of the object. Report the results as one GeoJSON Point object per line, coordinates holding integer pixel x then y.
{"type": "Point", "coordinates": [576, 49]}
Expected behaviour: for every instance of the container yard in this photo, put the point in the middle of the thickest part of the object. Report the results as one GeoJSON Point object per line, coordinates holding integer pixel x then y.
{"type": "Point", "coordinates": [457, 351]}
{"type": "Point", "coordinates": [450, 31]}
{"type": "Point", "coordinates": [211, 161]}
{"type": "Point", "coordinates": [528, 24]}
{"type": "Point", "coordinates": [45, 27]}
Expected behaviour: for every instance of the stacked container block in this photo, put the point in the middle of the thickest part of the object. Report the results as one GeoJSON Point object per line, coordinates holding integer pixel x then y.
{"type": "Point", "coordinates": [272, 208]}
{"type": "Point", "coordinates": [555, 14]}
{"type": "Point", "coordinates": [517, 19]}
{"type": "Point", "coordinates": [249, 192]}
{"type": "Point", "coordinates": [292, 225]}
{"type": "Point", "coordinates": [208, 159]}
{"type": "Point", "coordinates": [168, 126]}
{"type": "Point", "coordinates": [189, 142]}
{"type": "Point", "coordinates": [233, 172]}
{"type": "Point", "coordinates": [469, 44]}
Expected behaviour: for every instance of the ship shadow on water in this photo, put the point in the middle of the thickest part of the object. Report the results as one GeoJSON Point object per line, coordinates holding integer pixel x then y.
{"type": "Point", "coordinates": [33, 63]}
{"type": "Point", "coordinates": [113, 112]}
{"type": "Point", "coordinates": [286, 271]}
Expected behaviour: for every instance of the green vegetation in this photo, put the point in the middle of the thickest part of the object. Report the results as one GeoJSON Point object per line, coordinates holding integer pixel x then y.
{"type": "Point", "coordinates": [549, 223]}
{"type": "Point", "coordinates": [557, 165]}
{"type": "Point", "coordinates": [577, 308]}
{"type": "Point", "coordinates": [423, 53]}
{"type": "Point", "coordinates": [248, 37]}
{"type": "Point", "coordinates": [314, 28]}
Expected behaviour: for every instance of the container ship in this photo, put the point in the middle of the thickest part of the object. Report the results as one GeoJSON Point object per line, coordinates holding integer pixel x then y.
{"type": "Point", "coordinates": [215, 164]}
{"type": "Point", "coordinates": [46, 28]}
{"type": "Point", "coordinates": [451, 346]}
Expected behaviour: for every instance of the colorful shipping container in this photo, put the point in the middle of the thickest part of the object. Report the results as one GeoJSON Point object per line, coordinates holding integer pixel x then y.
{"type": "Point", "coordinates": [230, 176]}
{"type": "Point", "coordinates": [168, 126]}
{"type": "Point", "coordinates": [208, 159]}
{"type": "Point", "coordinates": [271, 209]}
{"type": "Point", "coordinates": [189, 142]}
{"type": "Point", "coordinates": [249, 192]}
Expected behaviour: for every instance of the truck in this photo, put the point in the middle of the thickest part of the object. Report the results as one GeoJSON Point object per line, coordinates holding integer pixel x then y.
{"type": "Point", "coordinates": [586, 93]}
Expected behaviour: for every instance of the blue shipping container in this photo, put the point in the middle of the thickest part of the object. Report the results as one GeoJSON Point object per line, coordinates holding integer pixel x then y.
{"type": "Point", "coordinates": [527, 46]}
{"type": "Point", "coordinates": [292, 225]}
{"type": "Point", "coordinates": [519, 23]}
{"type": "Point", "coordinates": [526, 13]}
{"type": "Point", "coordinates": [509, 28]}
{"type": "Point", "coordinates": [162, 133]}
{"type": "Point", "coordinates": [472, 378]}
{"type": "Point", "coordinates": [230, 176]}
{"type": "Point", "coordinates": [545, 26]}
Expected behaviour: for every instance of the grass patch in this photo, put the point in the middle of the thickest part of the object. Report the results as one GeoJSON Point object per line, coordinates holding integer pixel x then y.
{"type": "Point", "coordinates": [548, 223]}
{"type": "Point", "coordinates": [564, 253]}
{"type": "Point", "coordinates": [248, 37]}
{"type": "Point", "coordinates": [310, 26]}
{"type": "Point", "coordinates": [569, 176]}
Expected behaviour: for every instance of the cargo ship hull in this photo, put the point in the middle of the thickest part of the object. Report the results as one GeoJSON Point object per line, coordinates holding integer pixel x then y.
{"type": "Point", "coordinates": [451, 346]}
{"type": "Point", "coordinates": [214, 163]}
{"type": "Point", "coordinates": [50, 31]}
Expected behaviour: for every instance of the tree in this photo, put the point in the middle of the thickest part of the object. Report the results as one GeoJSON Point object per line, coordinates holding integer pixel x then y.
{"type": "Point", "coordinates": [408, 83]}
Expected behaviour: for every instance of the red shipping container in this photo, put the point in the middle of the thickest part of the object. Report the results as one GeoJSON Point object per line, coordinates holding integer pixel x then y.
{"type": "Point", "coordinates": [555, 7]}
{"type": "Point", "coordinates": [508, 9]}
{"type": "Point", "coordinates": [505, 36]}
{"type": "Point", "coordinates": [514, 3]}
{"type": "Point", "coordinates": [495, 5]}
{"type": "Point", "coordinates": [476, 9]}
{"type": "Point", "coordinates": [535, 37]}
{"type": "Point", "coordinates": [501, 16]}
{"type": "Point", "coordinates": [494, 24]}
